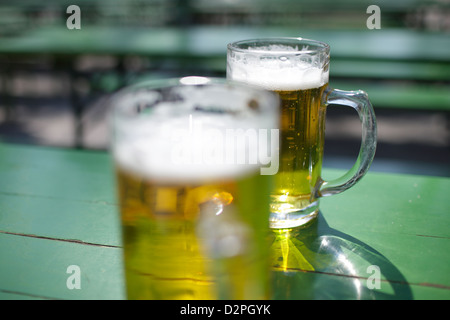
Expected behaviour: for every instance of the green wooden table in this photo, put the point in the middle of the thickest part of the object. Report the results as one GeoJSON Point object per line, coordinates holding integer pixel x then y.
{"type": "Point", "coordinates": [58, 209]}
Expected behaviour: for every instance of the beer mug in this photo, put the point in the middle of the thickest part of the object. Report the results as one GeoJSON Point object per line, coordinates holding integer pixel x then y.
{"type": "Point", "coordinates": [194, 198]}
{"type": "Point", "coordinates": [298, 70]}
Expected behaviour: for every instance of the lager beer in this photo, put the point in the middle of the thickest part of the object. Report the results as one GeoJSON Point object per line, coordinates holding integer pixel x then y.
{"type": "Point", "coordinates": [301, 87]}
{"type": "Point", "coordinates": [298, 70]}
{"type": "Point", "coordinates": [166, 229]}
{"type": "Point", "coordinates": [192, 228]}
{"type": "Point", "coordinates": [302, 141]}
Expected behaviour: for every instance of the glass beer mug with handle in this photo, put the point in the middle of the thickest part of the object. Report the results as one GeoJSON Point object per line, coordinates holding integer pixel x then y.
{"type": "Point", "coordinates": [194, 205]}
{"type": "Point", "coordinates": [298, 70]}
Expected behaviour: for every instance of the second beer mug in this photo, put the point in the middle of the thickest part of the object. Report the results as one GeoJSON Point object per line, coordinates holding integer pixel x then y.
{"type": "Point", "coordinates": [298, 70]}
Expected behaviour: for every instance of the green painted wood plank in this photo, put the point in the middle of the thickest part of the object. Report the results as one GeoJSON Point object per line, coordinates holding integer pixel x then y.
{"type": "Point", "coordinates": [56, 173]}
{"type": "Point", "coordinates": [73, 220]}
{"type": "Point", "coordinates": [387, 70]}
{"type": "Point", "coordinates": [395, 203]}
{"type": "Point", "coordinates": [37, 268]}
{"type": "Point", "coordinates": [384, 44]}
{"type": "Point", "coordinates": [405, 96]}
{"type": "Point", "coordinates": [391, 44]}
{"type": "Point", "coordinates": [58, 193]}
{"type": "Point", "coordinates": [96, 40]}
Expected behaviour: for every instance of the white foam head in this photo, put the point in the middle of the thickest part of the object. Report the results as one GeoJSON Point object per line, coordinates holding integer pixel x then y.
{"type": "Point", "coordinates": [179, 150]}
{"type": "Point", "coordinates": [176, 143]}
{"type": "Point", "coordinates": [276, 67]}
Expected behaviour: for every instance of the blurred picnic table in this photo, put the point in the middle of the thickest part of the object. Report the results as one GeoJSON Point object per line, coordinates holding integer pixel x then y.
{"type": "Point", "coordinates": [399, 65]}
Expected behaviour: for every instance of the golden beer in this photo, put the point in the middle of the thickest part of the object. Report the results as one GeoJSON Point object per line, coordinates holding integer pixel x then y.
{"type": "Point", "coordinates": [166, 237]}
{"type": "Point", "coordinates": [302, 141]}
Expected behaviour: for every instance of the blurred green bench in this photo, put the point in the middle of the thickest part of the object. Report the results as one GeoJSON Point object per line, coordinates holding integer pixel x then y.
{"type": "Point", "coordinates": [400, 68]}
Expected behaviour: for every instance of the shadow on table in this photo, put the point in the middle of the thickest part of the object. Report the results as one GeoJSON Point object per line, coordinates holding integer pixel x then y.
{"type": "Point", "coordinates": [319, 262]}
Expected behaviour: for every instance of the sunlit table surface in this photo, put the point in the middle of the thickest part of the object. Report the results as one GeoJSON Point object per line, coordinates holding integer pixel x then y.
{"type": "Point", "coordinates": [386, 238]}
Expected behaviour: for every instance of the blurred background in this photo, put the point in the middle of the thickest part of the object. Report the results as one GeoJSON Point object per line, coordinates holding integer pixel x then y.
{"type": "Point", "coordinates": [55, 81]}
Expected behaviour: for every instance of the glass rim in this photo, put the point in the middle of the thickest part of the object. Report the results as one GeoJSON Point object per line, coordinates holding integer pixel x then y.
{"type": "Point", "coordinates": [120, 110]}
{"type": "Point", "coordinates": [156, 84]}
{"type": "Point", "coordinates": [319, 46]}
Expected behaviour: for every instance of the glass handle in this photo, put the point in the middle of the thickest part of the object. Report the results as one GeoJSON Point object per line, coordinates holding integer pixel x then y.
{"type": "Point", "coordinates": [359, 101]}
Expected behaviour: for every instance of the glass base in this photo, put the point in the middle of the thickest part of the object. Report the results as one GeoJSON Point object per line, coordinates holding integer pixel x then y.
{"type": "Point", "coordinates": [286, 216]}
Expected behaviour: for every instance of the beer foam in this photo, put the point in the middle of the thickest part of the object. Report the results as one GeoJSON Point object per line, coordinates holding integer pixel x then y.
{"type": "Point", "coordinates": [280, 72]}
{"type": "Point", "coordinates": [174, 151]}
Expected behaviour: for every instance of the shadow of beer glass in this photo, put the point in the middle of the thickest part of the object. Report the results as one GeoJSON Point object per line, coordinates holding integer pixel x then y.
{"type": "Point", "coordinates": [318, 262]}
